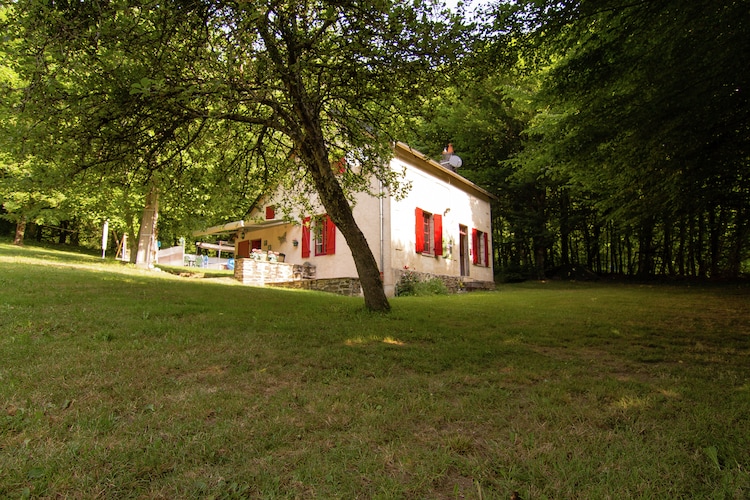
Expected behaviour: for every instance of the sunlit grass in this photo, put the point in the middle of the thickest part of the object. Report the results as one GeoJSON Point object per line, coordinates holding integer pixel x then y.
{"type": "Point", "coordinates": [119, 383]}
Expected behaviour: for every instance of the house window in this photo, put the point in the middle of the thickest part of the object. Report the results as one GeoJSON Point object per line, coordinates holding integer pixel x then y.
{"type": "Point", "coordinates": [270, 212]}
{"type": "Point", "coordinates": [481, 245]}
{"type": "Point", "coordinates": [322, 231]}
{"type": "Point", "coordinates": [429, 233]}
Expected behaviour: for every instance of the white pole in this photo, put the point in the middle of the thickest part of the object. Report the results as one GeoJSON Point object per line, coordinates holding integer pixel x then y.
{"type": "Point", "coordinates": [105, 232]}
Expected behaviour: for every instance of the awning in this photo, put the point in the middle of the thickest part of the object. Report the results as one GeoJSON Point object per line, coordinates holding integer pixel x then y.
{"type": "Point", "coordinates": [214, 246]}
{"type": "Point", "coordinates": [240, 224]}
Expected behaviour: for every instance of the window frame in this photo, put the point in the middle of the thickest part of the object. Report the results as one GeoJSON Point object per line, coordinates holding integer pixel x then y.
{"type": "Point", "coordinates": [428, 233]}
{"type": "Point", "coordinates": [318, 236]}
{"type": "Point", "coordinates": [480, 246]}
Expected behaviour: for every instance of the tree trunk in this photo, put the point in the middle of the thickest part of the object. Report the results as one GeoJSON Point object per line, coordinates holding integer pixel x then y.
{"type": "Point", "coordinates": [539, 239]}
{"type": "Point", "coordinates": [132, 239]}
{"type": "Point", "coordinates": [716, 228]}
{"type": "Point", "coordinates": [62, 237]}
{"type": "Point", "coordinates": [146, 254]}
{"type": "Point", "coordinates": [332, 196]}
{"type": "Point", "coordinates": [681, 247]}
{"type": "Point", "coordinates": [734, 261]}
{"type": "Point", "coordinates": [74, 234]}
{"type": "Point", "coordinates": [564, 228]}
{"type": "Point", "coordinates": [699, 250]}
{"type": "Point", "coordinates": [20, 231]}
{"type": "Point", "coordinates": [645, 249]}
{"type": "Point", "coordinates": [539, 260]}
{"type": "Point", "coordinates": [629, 247]}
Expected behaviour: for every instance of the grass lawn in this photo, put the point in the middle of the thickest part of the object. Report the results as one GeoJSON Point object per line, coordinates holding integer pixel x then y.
{"type": "Point", "coordinates": [119, 383]}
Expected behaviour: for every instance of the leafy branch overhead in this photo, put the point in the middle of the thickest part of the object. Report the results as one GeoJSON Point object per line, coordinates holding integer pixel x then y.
{"type": "Point", "coordinates": [269, 87]}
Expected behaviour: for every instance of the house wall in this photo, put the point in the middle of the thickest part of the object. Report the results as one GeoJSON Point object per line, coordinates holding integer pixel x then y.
{"type": "Point", "coordinates": [339, 265]}
{"type": "Point", "coordinates": [277, 238]}
{"type": "Point", "coordinates": [445, 195]}
{"type": "Point", "coordinates": [433, 189]}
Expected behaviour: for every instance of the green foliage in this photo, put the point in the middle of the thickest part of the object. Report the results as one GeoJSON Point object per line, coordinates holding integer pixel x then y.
{"type": "Point", "coordinates": [173, 91]}
{"type": "Point", "coordinates": [216, 105]}
{"type": "Point", "coordinates": [580, 116]}
{"type": "Point", "coordinates": [416, 285]}
{"type": "Point", "coordinates": [618, 120]}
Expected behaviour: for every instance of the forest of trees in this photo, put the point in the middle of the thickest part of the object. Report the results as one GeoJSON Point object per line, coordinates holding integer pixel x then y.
{"type": "Point", "coordinates": [614, 133]}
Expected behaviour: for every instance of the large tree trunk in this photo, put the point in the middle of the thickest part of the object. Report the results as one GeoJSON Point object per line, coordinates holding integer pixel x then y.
{"type": "Point", "coordinates": [20, 231]}
{"type": "Point", "coordinates": [305, 130]}
{"type": "Point", "coordinates": [645, 248]}
{"type": "Point", "coordinates": [332, 196]}
{"type": "Point", "coordinates": [132, 239]}
{"type": "Point", "coordinates": [146, 254]}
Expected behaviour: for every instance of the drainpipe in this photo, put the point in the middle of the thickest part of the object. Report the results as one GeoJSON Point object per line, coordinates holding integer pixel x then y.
{"type": "Point", "coordinates": [382, 230]}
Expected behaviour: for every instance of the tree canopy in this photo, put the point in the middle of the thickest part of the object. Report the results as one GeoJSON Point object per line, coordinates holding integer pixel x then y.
{"type": "Point", "coordinates": [281, 89]}
{"type": "Point", "coordinates": [632, 151]}
{"type": "Point", "coordinates": [614, 133]}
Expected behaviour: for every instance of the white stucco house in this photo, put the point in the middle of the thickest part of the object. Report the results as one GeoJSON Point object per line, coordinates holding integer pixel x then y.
{"type": "Point", "coordinates": [441, 228]}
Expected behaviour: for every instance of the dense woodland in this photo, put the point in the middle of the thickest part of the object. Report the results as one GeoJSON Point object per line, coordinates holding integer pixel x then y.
{"type": "Point", "coordinates": [614, 133]}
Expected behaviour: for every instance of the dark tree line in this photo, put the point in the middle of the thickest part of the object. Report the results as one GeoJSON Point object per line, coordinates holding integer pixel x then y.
{"type": "Point", "coordinates": [615, 134]}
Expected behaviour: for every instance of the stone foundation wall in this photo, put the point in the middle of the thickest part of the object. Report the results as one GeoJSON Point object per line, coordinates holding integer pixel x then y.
{"type": "Point", "coordinates": [454, 284]}
{"type": "Point", "coordinates": [341, 286]}
{"type": "Point", "coordinates": [283, 275]}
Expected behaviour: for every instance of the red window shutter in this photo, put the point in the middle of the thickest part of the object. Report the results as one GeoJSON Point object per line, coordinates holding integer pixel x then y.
{"type": "Point", "coordinates": [306, 237]}
{"type": "Point", "coordinates": [270, 212]}
{"type": "Point", "coordinates": [419, 215]}
{"type": "Point", "coordinates": [475, 245]}
{"type": "Point", "coordinates": [437, 225]}
{"type": "Point", "coordinates": [330, 236]}
{"type": "Point", "coordinates": [486, 250]}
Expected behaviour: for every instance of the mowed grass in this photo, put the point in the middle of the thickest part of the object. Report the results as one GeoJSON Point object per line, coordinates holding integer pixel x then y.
{"type": "Point", "coordinates": [119, 383]}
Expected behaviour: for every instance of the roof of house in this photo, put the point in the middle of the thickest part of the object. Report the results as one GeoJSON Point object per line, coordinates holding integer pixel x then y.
{"type": "Point", "coordinates": [402, 151]}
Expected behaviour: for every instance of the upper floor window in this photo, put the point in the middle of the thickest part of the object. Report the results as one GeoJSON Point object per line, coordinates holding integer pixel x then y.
{"type": "Point", "coordinates": [429, 233]}
{"type": "Point", "coordinates": [270, 212]}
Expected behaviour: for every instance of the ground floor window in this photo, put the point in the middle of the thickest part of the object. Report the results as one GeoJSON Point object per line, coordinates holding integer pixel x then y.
{"type": "Point", "coordinates": [481, 246]}
{"type": "Point", "coordinates": [318, 233]}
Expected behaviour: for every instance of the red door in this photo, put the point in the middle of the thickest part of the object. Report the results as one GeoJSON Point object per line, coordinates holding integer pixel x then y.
{"type": "Point", "coordinates": [243, 249]}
